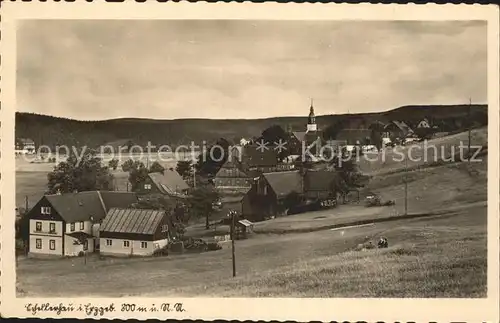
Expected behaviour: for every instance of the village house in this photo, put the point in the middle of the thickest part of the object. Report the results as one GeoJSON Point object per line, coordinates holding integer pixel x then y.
{"type": "Point", "coordinates": [255, 161]}
{"type": "Point", "coordinates": [268, 197]}
{"type": "Point", "coordinates": [170, 183]}
{"type": "Point", "coordinates": [67, 224]}
{"type": "Point", "coordinates": [25, 146]}
{"type": "Point", "coordinates": [424, 124]}
{"type": "Point", "coordinates": [230, 177]}
{"type": "Point", "coordinates": [398, 130]}
{"type": "Point", "coordinates": [134, 232]}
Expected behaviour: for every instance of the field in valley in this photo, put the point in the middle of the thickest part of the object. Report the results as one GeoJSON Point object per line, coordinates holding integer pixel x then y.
{"type": "Point", "coordinates": [442, 254]}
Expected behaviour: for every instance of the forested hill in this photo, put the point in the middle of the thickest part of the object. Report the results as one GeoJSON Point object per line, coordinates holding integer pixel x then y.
{"type": "Point", "coordinates": [52, 131]}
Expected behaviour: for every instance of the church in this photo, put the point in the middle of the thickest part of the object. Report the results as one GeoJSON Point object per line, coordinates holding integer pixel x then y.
{"type": "Point", "coordinates": [311, 137]}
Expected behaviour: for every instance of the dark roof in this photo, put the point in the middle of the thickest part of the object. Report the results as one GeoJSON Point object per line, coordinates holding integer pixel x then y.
{"type": "Point", "coordinates": [319, 180]}
{"type": "Point", "coordinates": [377, 125]}
{"type": "Point", "coordinates": [300, 135]}
{"type": "Point", "coordinates": [253, 156]}
{"type": "Point", "coordinates": [75, 207]}
{"type": "Point", "coordinates": [311, 136]}
{"type": "Point", "coordinates": [233, 167]}
{"type": "Point", "coordinates": [170, 182]}
{"type": "Point", "coordinates": [284, 183]}
{"type": "Point", "coordinates": [138, 221]}
{"type": "Point", "coordinates": [113, 199]}
{"type": "Point", "coordinates": [401, 125]}
{"type": "Point", "coordinates": [351, 136]}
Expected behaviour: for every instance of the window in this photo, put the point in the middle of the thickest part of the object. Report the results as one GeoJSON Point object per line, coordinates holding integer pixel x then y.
{"type": "Point", "coordinates": [39, 243]}
{"type": "Point", "coordinates": [72, 227]}
{"type": "Point", "coordinates": [52, 245]}
{"type": "Point", "coordinates": [126, 244]}
{"type": "Point", "coordinates": [147, 186]}
{"type": "Point", "coordinates": [45, 210]}
{"type": "Point", "coordinates": [144, 244]}
{"type": "Point", "coordinates": [82, 225]}
{"type": "Point", "coordinates": [109, 242]}
{"type": "Point", "coordinates": [52, 228]}
{"type": "Point", "coordinates": [38, 226]}
{"type": "Point", "coordinates": [164, 228]}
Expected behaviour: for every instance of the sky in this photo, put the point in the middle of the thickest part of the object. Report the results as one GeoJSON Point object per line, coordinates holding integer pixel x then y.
{"type": "Point", "coordinates": [231, 69]}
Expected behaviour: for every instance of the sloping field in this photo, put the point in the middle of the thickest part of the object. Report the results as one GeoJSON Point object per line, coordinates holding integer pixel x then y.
{"type": "Point", "coordinates": [430, 190]}
{"type": "Point", "coordinates": [391, 159]}
{"type": "Point", "coordinates": [442, 256]}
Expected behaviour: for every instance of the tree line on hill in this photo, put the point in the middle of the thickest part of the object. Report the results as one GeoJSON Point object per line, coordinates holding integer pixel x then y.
{"type": "Point", "coordinates": [55, 131]}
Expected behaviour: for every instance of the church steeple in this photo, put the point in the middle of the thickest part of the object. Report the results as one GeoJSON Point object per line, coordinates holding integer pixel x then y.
{"type": "Point", "coordinates": [311, 120]}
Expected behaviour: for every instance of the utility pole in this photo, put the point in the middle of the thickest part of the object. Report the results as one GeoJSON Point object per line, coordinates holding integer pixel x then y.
{"type": "Point", "coordinates": [233, 234]}
{"type": "Point", "coordinates": [26, 204]}
{"type": "Point", "coordinates": [194, 176]}
{"type": "Point", "coordinates": [406, 185]}
{"type": "Point", "coordinates": [470, 126]}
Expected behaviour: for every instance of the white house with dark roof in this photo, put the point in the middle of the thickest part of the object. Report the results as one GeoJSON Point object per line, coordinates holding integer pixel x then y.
{"type": "Point", "coordinates": [134, 232]}
{"type": "Point", "coordinates": [67, 224]}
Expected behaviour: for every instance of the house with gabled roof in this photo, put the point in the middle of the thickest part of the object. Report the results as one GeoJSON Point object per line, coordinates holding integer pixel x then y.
{"type": "Point", "coordinates": [231, 177]}
{"type": "Point", "coordinates": [311, 186]}
{"type": "Point", "coordinates": [169, 183]}
{"type": "Point", "coordinates": [135, 232]}
{"type": "Point", "coordinates": [67, 224]}
{"type": "Point", "coordinates": [398, 129]}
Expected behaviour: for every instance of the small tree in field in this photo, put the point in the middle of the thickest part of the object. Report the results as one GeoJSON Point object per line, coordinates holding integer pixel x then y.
{"type": "Point", "coordinates": [84, 174]}
{"type": "Point", "coordinates": [184, 168]}
{"type": "Point", "coordinates": [113, 163]}
{"type": "Point", "coordinates": [292, 200]}
{"type": "Point", "coordinates": [201, 203]}
{"type": "Point", "coordinates": [128, 165]}
{"type": "Point", "coordinates": [349, 177]}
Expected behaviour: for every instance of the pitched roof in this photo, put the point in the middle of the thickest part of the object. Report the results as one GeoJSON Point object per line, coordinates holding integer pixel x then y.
{"type": "Point", "coordinates": [138, 221]}
{"type": "Point", "coordinates": [284, 183]}
{"type": "Point", "coordinates": [351, 136]}
{"type": "Point", "coordinates": [230, 169]}
{"type": "Point", "coordinates": [319, 180]}
{"type": "Point", "coordinates": [253, 156]}
{"type": "Point", "coordinates": [170, 182]}
{"type": "Point", "coordinates": [81, 206]}
{"type": "Point", "coordinates": [300, 135]}
{"type": "Point", "coordinates": [401, 125]}
{"type": "Point", "coordinates": [113, 199]}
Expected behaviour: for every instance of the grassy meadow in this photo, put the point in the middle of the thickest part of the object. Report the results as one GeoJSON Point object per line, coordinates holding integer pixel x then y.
{"type": "Point", "coordinates": [440, 256]}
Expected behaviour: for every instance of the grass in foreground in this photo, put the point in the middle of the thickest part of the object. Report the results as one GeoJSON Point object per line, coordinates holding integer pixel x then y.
{"type": "Point", "coordinates": [440, 260]}
{"type": "Point", "coordinates": [442, 256]}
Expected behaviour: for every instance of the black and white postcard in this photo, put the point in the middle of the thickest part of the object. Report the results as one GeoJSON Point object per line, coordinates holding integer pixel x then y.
{"type": "Point", "coordinates": [238, 161]}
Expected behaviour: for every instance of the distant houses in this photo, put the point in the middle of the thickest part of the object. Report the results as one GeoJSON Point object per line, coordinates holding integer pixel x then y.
{"type": "Point", "coordinates": [25, 146]}
{"type": "Point", "coordinates": [68, 224]}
